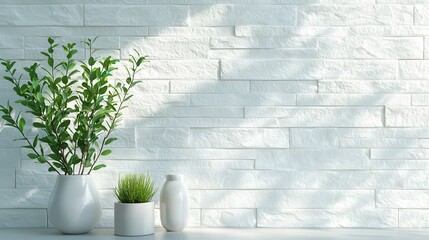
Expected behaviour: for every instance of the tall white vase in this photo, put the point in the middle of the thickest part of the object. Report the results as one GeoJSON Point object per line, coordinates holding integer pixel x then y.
{"type": "Point", "coordinates": [174, 203]}
{"type": "Point", "coordinates": [75, 205]}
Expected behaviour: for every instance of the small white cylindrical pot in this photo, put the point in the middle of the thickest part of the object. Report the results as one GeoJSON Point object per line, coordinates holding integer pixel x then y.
{"type": "Point", "coordinates": [75, 205]}
{"type": "Point", "coordinates": [174, 203]}
{"type": "Point", "coordinates": [134, 219]}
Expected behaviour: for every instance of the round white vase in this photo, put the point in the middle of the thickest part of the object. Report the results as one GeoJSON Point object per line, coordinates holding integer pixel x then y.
{"type": "Point", "coordinates": [174, 203]}
{"type": "Point", "coordinates": [134, 219]}
{"type": "Point", "coordinates": [75, 205]}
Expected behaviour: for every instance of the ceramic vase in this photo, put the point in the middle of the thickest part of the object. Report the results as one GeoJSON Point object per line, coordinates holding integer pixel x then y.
{"type": "Point", "coordinates": [75, 205]}
{"type": "Point", "coordinates": [174, 203]}
{"type": "Point", "coordinates": [134, 219]}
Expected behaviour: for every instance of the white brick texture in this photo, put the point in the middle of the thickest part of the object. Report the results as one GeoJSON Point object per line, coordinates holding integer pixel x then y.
{"type": "Point", "coordinates": [280, 113]}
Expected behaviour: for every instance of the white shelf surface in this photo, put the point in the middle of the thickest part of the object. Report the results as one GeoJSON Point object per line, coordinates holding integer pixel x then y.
{"type": "Point", "coordinates": [226, 234]}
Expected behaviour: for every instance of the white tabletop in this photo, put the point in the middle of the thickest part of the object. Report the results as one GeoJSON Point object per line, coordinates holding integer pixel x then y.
{"type": "Point", "coordinates": [226, 234]}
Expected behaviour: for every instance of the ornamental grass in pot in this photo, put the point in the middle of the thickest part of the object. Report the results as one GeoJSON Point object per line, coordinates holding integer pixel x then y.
{"type": "Point", "coordinates": [73, 110]}
{"type": "Point", "coordinates": [134, 211]}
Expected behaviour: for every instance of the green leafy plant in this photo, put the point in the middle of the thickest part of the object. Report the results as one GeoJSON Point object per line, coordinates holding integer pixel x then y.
{"type": "Point", "coordinates": [135, 188]}
{"type": "Point", "coordinates": [75, 110]}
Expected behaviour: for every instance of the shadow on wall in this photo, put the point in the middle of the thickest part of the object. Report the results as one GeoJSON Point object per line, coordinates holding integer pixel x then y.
{"type": "Point", "coordinates": [249, 115]}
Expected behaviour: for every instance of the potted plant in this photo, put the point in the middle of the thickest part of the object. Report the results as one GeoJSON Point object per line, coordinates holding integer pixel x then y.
{"type": "Point", "coordinates": [134, 211]}
{"type": "Point", "coordinates": [74, 111]}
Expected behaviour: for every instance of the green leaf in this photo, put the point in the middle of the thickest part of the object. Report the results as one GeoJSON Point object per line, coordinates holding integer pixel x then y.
{"type": "Point", "coordinates": [110, 140]}
{"type": "Point", "coordinates": [50, 62]}
{"type": "Point", "coordinates": [65, 124]}
{"type": "Point", "coordinates": [91, 61]}
{"type": "Point", "coordinates": [51, 169]}
{"type": "Point", "coordinates": [58, 165]}
{"type": "Point", "coordinates": [36, 139]}
{"type": "Point", "coordinates": [32, 156]}
{"type": "Point", "coordinates": [54, 156]}
{"type": "Point", "coordinates": [38, 125]}
{"type": "Point", "coordinates": [100, 166]}
{"type": "Point", "coordinates": [50, 40]}
{"type": "Point", "coordinates": [8, 119]}
{"type": "Point", "coordinates": [106, 152]}
{"type": "Point", "coordinates": [75, 159]}
{"type": "Point", "coordinates": [41, 159]}
{"type": "Point", "coordinates": [21, 124]}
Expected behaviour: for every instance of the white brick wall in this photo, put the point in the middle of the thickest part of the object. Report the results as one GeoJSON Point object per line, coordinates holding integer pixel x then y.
{"type": "Point", "coordinates": [281, 113]}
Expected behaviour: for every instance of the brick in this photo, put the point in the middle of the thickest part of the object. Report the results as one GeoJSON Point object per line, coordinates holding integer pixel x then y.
{"type": "Point", "coordinates": [407, 116]}
{"type": "Point", "coordinates": [104, 53]}
{"type": "Point", "coordinates": [283, 86]}
{"type": "Point", "coordinates": [239, 137]}
{"type": "Point", "coordinates": [307, 53]}
{"type": "Point", "coordinates": [210, 87]}
{"type": "Point", "coordinates": [35, 54]}
{"type": "Point", "coordinates": [126, 138]}
{"type": "Point", "coordinates": [178, 70]}
{"type": "Point", "coordinates": [113, 15]}
{"type": "Point", "coordinates": [142, 100]}
{"type": "Point", "coordinates": [42, 42]}
{"type": "Point", "coordinates": [262, 42]}
{"type": "Point", "coordinates": [424, 143]}
{"type": "Point", "coordinates": [373, 218]}
{"type": "Point", "coordinates": [41, 31]}
{"type": "Point", "coordinates": [343, 15]}
{"type": "Point", "coordinates": [194, 220]}
{"type": "Point", "coordinates": [166, 137]}
{"type": "Point", "coordinates": [399, 164]}
{"type": "Point", "coordinates": [241, 218]}
{"type": "Point", "coordinates": [200, 122]}
{"type": "Point", "coordinates": [13, 53]}
{"type": "Point", "coordinates": [358, 69]}
{"type": "Point", "coordinates": [279, 31]}
{"type": "Point", "coordinates": [180, 153]}
{"type": "Point", "coordinates": [166, 47]}
{"type": "Point", "coordinates": [372, 47]}
{"type": "Point", "coordinates": [420, 99]}
{"type": "Point", "coordinates": [378, 142]}
{"type": "Point", "coordinates": [7, 135]}
{"type": "Point", "coordinates": [7, 178]}
{"type": "Point", "coordinates": [270, 2]}
{"type": "Point", "coordinates": [287, 199]}
{"type": "Point", "coordinates": [312, 159]}
{"type": "Point", "coordinates": [9, 157]}
{"type": "Point", "coordinates": [23, 218]}
{"type": "Point", "coordinates": [24, 198]}
{"type": "Point", "coordinates": [413, 218]}
{"type": "Point", "coordinates": [191, 31]}
{"type": "Point", "coordinates": [349, 99]}
{"type": "Point", "coordinates": [150, 86]}
{"type": "Point", "coordinates": [402, 198]}
{"type": "Point", "coordinates": [400, 153]}
{"type": "Point", "coordinates": [318, 117]}
{"type": "Point", "coordinates": [307, 69]}
{"type": "Point", "coordinates": [421, 14]}
{"type": "Point", "coordinates": [330, 137]}
{"type": "Point", "coordinates": [176, 164]}
{"type": "Point", "coordinates": [41, 15]}
{"type": "Point", "coordinates": [369, 87]}
{"type": "Point", "coordinates": [11, 42]}
{"type": "Point", "coordinates": [269, 70]}
{"type": "Point", "coordinates": [242, 99]}
{"type": "Point", "coordinates": [413, 69]}
{"type": "Point", "coordinates": [185, 112]}
{"type": "Point", "coordinates": [203, 15]}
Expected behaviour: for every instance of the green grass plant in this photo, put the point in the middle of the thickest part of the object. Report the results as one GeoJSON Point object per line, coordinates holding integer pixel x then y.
{"type": "Point", "coordinates": [135, 188]}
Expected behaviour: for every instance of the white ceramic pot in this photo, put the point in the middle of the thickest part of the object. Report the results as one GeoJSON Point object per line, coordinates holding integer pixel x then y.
{"type": "Point", "coordinates": [75, 205]}
{"type": "Point", "coordinates": [134, 219]}
{"type": "Point", "coordinates": [174, 203]}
